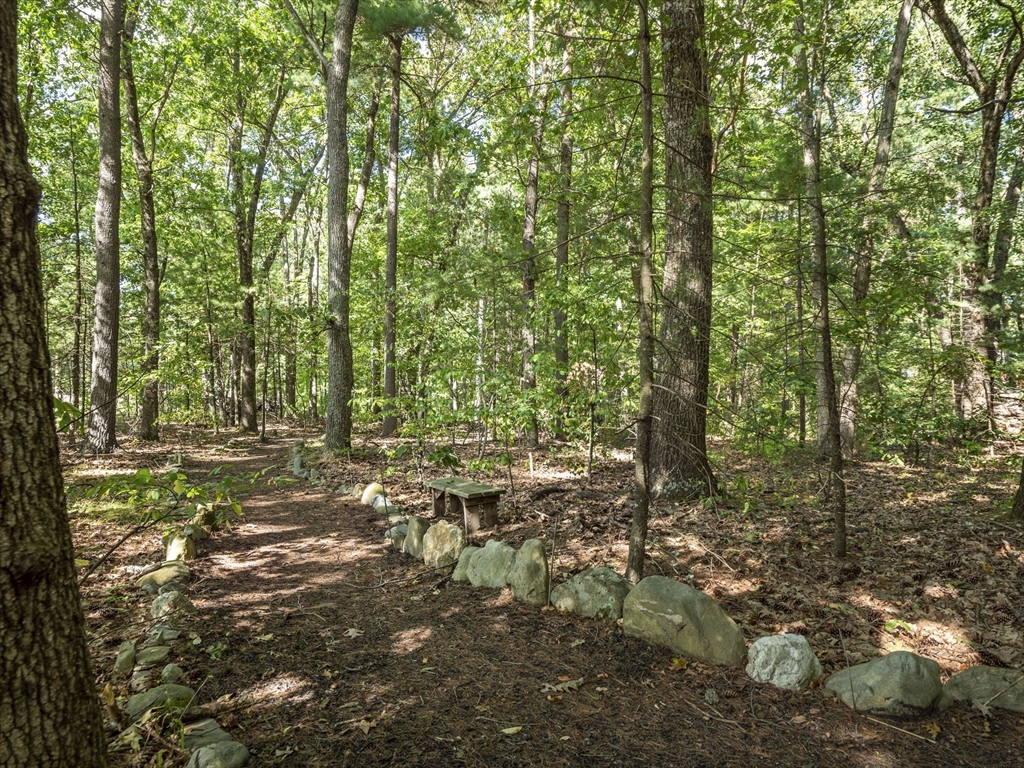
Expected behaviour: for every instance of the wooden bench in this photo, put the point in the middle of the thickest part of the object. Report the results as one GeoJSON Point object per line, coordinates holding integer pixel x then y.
{"type": "Point", "coordinates": [479, 502]}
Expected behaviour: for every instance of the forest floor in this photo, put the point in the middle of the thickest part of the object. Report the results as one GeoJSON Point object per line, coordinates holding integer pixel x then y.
{"type": "Point", "coordinates": [338, 651]}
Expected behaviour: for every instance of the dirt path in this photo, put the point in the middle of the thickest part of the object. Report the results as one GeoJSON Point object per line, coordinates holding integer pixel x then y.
{"type": "Point", "coordinates": [355, 655]}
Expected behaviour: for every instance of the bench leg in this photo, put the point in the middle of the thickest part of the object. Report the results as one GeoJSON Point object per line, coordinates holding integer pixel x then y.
{"type": "Point", "coordinates": [438, 501]}
{"type": "Point", "coordinates": [470, 515]}
{"type": "Point", "coordinates": [479, 513]}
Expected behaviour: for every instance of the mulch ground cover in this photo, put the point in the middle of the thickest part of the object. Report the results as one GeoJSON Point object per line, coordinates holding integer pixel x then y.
{"type": "Point", "coordinates": [318, 645]}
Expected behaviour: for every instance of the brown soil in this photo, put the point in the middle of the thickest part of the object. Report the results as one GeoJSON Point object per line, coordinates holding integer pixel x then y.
{"type": "Point", "coordinates": [333, 650]}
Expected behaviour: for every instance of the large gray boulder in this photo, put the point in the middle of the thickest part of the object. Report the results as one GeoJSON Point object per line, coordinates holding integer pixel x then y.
{"type": "Point", "coordinates": [490, 566]}
{"type": "Point", "coordinates": [461, 572]}
{"type": "Point", "coordinates": [443, 544]}
{"type": "Point", "coordinates": [223, 754]}
{"type": "Point", "coordinates": [529, 573]}
{"type": "Point", "coordinates": [595, 592]}
{"type": "Point", "coordinates": [169, 696]}
{"type": "Point", "coordinates": [418, 527]}
{"type": "Point", "coordinates": [677, 616]}
{"type": "Point", "coordinates": [169, 571]}
{"type": "Point", "coordinates": [153, 656]}
{"type": "Point", "coordinates": [901, 684]}
{"type": "Point", "coordinates": [785, 661]}
{"type": "Point", "coordinates": [992, 685]}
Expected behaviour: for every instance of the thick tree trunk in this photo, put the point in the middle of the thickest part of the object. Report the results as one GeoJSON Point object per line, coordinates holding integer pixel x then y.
{"type": "Point", "coordinates": [49, 713]}
{"type": "Point", "coordinates": [339, 256]}
{"type": "Point", "coordinates": [562, 244]}
{"type": "Point", "coordinates": [150, 398]}
{"type": "Point", "coordinates": [865, 255]}
{"type": "Point", "coordinates": [833, 489]}
{"type": "Point", "coordinates": [390, 423]}
{"type": "Point", "coordinates": [680, 467]}
{"type": "Point", "coordinates": [979, 318]}
{"type": "Point", "coordinates": [77, 365]}
{"type": "Point", "coordinates": [101, 437]}
{"type": "Point", "coordinates": [645, 299]}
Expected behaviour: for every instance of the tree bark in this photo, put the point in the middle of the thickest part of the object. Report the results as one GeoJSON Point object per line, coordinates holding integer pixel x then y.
{"type": "Point", "coordinates": [143, 158]}
{"type": "Point", "coordinates": [49, 713]}
{"type": "Point", "coordinates": [869, 225]}
{"type": "Point", "coordinates": [339, 256]}
{"type": "Point", "coordinates": [680, 467]}
{"type": "Point", "coordinates": [101, 436]}
{"type": "Point", "coordinates": [562, 244]}
{"type": "Point", "coordinates": [979, 318]}
{"type": "Point", "coordinates": [645, 299]}
{"type": "Point", "coordinates": [390, 423]}
{"type": "Point", "coordinates": [833, 489]}
{"type": "Point", "coordinates": [529, 258]}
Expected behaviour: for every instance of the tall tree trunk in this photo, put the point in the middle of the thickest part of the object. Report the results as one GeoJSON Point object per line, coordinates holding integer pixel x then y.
{"type": "Point", "coordinates": [680, 467]}
{"type": "Point", "coordinates": [390, 423]}
{"type": "Point", "coordinates": [49, 714]}
{"type": "Point", "coordinates": [339, 256]}
{"type": "Point", "coordinates": [645, 298]}
{"type": "Point", "coordinates": [101, 437]}
{"type": "Point", "coordinates": [869, 225]}
{"type": "Point", "coordinates": [143, 158]}
{"type": "Point", "coordinates": [833, 489]}
{"type": "Point", "coordinates": [77, 366]}
{"type": "Point", "coordinates": [562, 244]}
{"type": "Point", "coordinates": [979, 316]}
{"type": "Point", "coordinates": [245, 209]}
{"type": "Point", "coordinates": [369, 156]}
{"type": "Point", "coordinates": [539, 93]}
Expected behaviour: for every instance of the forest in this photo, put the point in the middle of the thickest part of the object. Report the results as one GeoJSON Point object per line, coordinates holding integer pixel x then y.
{"type": "Point", "coordinates": [744, 272]}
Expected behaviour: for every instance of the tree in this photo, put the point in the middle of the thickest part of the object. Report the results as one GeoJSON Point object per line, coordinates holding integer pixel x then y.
{"type": "Point", "coordinates": [49, 713]}
{"type": "Point", "coordinates": [680, 467]}
{"type": "Point", "coordinates": [339, 255]}
{"type": "Point", "coordinates": [101, 436]}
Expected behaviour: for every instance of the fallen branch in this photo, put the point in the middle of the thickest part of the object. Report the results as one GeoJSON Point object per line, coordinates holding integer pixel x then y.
{"type": "Point", "coordinates": [901, 730]}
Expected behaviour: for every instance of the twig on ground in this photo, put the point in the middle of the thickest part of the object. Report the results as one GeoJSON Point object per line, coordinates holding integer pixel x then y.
{"type": "Point", "coordinates": [993, 698]}
{"type": "Point", "coordinates": [901, 730]}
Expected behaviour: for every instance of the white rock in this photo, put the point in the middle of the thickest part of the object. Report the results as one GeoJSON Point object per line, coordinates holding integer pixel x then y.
{"type": "Point", "coordinates": [785, 661]}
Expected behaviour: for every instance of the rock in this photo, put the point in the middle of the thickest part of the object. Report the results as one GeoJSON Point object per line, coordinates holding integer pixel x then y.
{"type": "Point", "coordinates": [171, 586]}
{"type": "Point", "coordinates": [313, 474]}
{"type": "Point", "coordinates": [223, 754]}
{"type": "Point", "coordinates": [785, 661]}
{"type": "Point", "coordinates": [152, 656]}
{"type": "Point", "coordinates": [443, 544]}
{"type": "Point", "coordinates": [169, 571]}
{"type": "Point", "coordinates": [125, 661]}
{"type": "Point", "coordinates": [381, 503]}
{"type": "Point", "coordinates": [370, 491]}
{"type": "Point", "coordinates": [595, 592]}
{"type": "Point", "coordinates": [161, 634]}
{"type": "Point", "coordinates": [490, 565]}
{"type": "Point", "coordinates": [396, 515]}
{"type": "Point", "coordinates": [357, 490]}
{"type": "Point", "coordinates": [529, 573]}
{"type": "Point", "coordinates": [170, 696]}
{"type": "Point", "coordinates": [171, 673]}
{"type": "Point", "coordinates": [900, 684]}
{"type": "Point", "coordinates": [669, 613]}
{"type": "Point", "coordinates": [297, 464]}
{"type": "Point", "coordinates": [169, 604]}
{"type": "Point", "coordinates": [206, 516]}
{"type": "Point", "coordinates": [417, 528]}
{"type": "Point", "coordinates": [461, 572]}
{"type": "Point", "coordinates": [179, 547]}
{"type": "Point", "coordinates": [140, 681]}
{"type": "Point", "coordinates": [396, 531]}
{"type": "Point", "coordinates": [196, 532]}
{"type": "Point", "coordinates": [344, 490]}
{"type": "Point", "coordinates": [203, 733]}
{"type": "Point", "coordinates": [981, 683]}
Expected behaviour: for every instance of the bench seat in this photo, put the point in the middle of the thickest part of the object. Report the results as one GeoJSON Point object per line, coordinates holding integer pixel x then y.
{"type": "Point", "coordinates": [479, 502]}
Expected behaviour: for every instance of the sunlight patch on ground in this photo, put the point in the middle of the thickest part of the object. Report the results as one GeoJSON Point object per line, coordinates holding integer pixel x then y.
{"type": "Point", "coordinates": [411, 640]}
{"type": "Point", "coordinates": [282, 686]}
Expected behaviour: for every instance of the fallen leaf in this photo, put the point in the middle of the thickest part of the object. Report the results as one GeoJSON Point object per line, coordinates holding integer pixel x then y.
{"type": "Point", "coordinates": [601, 688]}
{"type": "Point", "coordinates": [353, 632]}
{"type": "Point", "coordinates": [513, 729]}
{"type": "Point", "coordinates": [564, 738]}
{"type": "Point", "coordinates": [679, 664]}
{"type": "Point", "coordinates": [982, 707]}
{"type": "Point", "coordinates": [283, 752]}
{"type": "Point", "coordinates": [264, 638]}
{"type": "Point", "coordinates": [366, 725]}
{"type": "Point", "coordinates": [563, 687]}
{"type": "Point", "coordinates": [932, 729]}
{"type": "Point", "coordinates": [554, 698]}
{"type": "Point", "coordinates": [798, 720]}
{"type": "Point", "coordinates": [576, 643]}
